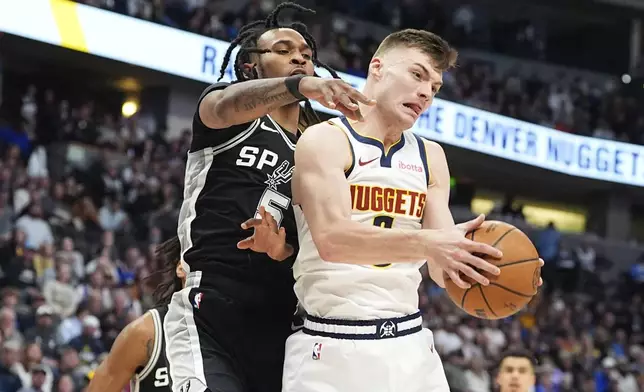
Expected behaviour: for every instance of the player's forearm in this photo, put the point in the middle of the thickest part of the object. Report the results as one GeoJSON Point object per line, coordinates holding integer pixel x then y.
{"type": "Point", "coordinates": [244, 102]}
{"type": "Point", "coordinates": [357, 243]}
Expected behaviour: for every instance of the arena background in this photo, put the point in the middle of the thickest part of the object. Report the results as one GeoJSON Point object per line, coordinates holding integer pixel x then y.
{"type": "Point", "coordinates": [542, 122]}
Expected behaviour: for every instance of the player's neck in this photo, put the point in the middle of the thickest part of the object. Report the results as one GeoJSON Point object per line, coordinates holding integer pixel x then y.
{"type": "Point", "coordinates": [287, 117]}
{"type": "Point", "coordinates": [377, 126]}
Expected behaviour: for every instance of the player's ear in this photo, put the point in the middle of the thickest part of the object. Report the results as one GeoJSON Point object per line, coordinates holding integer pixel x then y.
{"type": "Point", "coordinates": [249, 70]}
{"type": "Point", "coordinates": [375, 67]}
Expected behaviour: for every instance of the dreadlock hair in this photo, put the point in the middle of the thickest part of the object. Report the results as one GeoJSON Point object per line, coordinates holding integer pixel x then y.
{"type": "Point", "coordinates": [168, 254]}
{"type": "Point", "coordinates": [247, 41]}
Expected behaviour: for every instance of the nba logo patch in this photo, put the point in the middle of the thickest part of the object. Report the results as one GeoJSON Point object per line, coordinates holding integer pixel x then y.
{"type": "Point", "coordinates": [197, 300]}
{"type": "Point", "coordinates": [317, 351]}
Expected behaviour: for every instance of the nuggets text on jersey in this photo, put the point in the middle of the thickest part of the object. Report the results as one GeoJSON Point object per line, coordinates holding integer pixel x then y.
{"type": "Point", "coordinates": [375, 198]}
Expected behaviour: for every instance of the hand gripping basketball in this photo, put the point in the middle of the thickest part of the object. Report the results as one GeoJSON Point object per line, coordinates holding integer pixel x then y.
{"type": "Point", "coordinates": [456, 254]}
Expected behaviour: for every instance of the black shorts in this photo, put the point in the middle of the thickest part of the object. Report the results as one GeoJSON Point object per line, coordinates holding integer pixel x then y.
{"type": "Point", "coordinates": [218, 344]}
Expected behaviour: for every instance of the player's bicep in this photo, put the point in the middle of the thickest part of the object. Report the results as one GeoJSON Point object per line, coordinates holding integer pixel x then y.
{"type": "Point", "coordinates": [321, 188]}
{"type": "Point", "coordinates": [129, 352]}
{"type": "Point", "coordinates": [437, 214]}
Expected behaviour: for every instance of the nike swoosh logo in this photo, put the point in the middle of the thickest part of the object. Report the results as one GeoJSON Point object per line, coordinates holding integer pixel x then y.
{"type": "Point", "coordinates": [267, 128]}
{"type": "Point", "coordinates": [361, 163]}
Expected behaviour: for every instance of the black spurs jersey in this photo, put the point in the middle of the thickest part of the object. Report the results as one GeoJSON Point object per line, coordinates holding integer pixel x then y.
{"type": "Point", "coordinates": [154, 377]}
{"type": "Point", "coordinates": [230, 173]}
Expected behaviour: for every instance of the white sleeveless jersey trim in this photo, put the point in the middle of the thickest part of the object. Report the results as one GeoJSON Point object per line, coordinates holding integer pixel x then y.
{"type": "Point", "coordinates": [158, 342]}
{"type": "Point", "coordinates": [388, 189]}
{"type": "Point", "coordinates": [156, 352]}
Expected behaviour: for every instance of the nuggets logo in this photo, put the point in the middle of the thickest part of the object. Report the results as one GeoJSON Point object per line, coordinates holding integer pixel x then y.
{"type": "Point", "coordinates": [197, 300]}
{"type": "Point", "coordinates": [387, 200]}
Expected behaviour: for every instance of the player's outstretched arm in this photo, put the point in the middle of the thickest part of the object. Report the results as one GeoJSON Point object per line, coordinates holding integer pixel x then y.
{"type": "Point", "coordinates": [246, 101]}
{"type": "Point", "coordinates": [131, 350]}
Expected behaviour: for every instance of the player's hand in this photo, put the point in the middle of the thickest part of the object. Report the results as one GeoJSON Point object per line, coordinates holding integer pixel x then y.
{"type": "Point", "coordinates": [335, 94]}
{"type": "Point", "coordinates": [455, 254]}
{"type": "Point", "coordinates": [267, 237]}
{"type": "Point", "coordinates": [541, 263]}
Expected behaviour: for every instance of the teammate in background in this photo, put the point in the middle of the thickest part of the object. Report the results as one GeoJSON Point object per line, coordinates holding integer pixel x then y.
{"type": "Point", "coordinates": [362, 193]}
{"type": "Point", "coordinates": [138, 354]}
{"type": "Point", "coordinates": [516, 372]}
{"type": "Point", "coordinates": [226, 330]}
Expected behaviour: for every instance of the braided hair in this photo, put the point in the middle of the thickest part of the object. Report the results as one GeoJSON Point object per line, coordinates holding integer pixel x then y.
{"type": "Point", "coordinates": [168, 253]}
{"type": "Point", "coordinates": [247, 41]}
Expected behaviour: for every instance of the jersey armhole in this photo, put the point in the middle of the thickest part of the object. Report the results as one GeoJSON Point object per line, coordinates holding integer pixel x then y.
{"type": "Point", "coordinates": [423, 157]}
{"type": "Point", "coordinates": [156, 351]}
{"type": "Point", "coordinates": [348, 168]}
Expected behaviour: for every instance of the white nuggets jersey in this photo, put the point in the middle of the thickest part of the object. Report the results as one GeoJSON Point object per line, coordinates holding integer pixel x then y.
{"type": "Point", "coordinates": [388, 189]}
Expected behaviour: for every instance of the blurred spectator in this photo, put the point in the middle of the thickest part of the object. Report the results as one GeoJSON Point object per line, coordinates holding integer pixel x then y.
{"type": "Point", "coordinates": [112, 217]}
{"type": "Point", "coordinates": [88, 344]}
{"type": "Point", "coordinates": [37, 229]}
{"type": "Point", "coordinates": [9, 326]}
{"type": "Point", "coordinates": [9, 358]}
{"type": "Point", "coordinates": [477, 378]}
{"type": "Point", "coordinates": [44, 332]}
{"type": "Point", "coordinates": [60, 293]}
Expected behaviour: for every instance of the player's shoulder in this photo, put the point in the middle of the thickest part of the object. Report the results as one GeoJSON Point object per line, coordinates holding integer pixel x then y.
{"type": "Point", "coordinates": [323, 142]}
{"type": "Point", "coordinates": [325, 132]}
{"type": "Point", "coordinates": [213, 87]}
{"type": "Point", "coordinates": [141, 328]}
{"type": "Point", "coordinates": [434, 150]}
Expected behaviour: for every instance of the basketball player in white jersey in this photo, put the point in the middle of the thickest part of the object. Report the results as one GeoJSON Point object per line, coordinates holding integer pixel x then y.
{"type": "Point", "coordinates": [363, 192]}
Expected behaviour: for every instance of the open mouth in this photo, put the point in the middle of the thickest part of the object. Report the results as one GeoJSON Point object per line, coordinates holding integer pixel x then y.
{"type": "Point", "coordinates": [414, 107]}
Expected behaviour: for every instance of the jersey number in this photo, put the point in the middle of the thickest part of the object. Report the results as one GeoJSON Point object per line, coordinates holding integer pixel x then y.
{"type": "Point", "coordinates": [386, 222]}
{"type": "Point", "coordinates": [274, 203]}
{"type": "Point", "coordinates": [161, 377]}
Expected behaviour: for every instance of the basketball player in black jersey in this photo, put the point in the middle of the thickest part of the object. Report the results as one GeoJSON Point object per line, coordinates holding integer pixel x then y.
{"type": "Point", "coordinates": [138, 354]}
{"type": "Point", "coordinates": [226, 329]}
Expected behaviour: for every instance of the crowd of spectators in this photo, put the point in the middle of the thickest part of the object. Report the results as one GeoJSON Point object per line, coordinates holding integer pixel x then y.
{"type": "Point", "coordinates": [77, 242]}
{"type": "Point", "coordinates": [569, 104]}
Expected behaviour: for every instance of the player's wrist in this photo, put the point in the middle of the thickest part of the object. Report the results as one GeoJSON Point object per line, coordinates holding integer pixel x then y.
{"type": "Point", "coordinates": [293, 86]}
{"type": "Point", "coordinates": [283, 253]}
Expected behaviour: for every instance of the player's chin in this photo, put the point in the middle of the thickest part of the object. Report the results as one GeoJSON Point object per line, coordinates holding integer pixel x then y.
{"type": "Point", "coordinates": [406, 119]}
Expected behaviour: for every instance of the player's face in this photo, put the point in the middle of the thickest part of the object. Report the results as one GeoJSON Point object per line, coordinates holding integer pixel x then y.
{"type": "Point", "coordinates": [289, 54]}
{"type": "Point", "coordinates": [406, 83]}
{"type": "Point", "coordinates": [515, 375]}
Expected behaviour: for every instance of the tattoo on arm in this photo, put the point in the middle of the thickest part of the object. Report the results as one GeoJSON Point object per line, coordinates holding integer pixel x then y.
{"type": "Point", "coordinates": [149, 347]}
{"type": "Point", "coordinates": [270, 94]}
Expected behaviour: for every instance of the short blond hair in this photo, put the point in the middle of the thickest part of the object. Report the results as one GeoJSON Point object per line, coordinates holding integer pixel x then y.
{"type": "Point", "coordinates": [439, 50]}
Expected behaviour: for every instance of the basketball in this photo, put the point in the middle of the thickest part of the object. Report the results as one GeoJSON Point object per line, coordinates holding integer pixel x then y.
{"type": "Point", "coordinates": [514, 287]}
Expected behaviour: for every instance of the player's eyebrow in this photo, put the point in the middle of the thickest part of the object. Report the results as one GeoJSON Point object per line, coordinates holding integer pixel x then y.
{"type": "Point", "coordinates": [438, 84]}
{"type": "Point", "coordinates": [291, 44]}
{"type": "Point", "coordinates": [425, 70]}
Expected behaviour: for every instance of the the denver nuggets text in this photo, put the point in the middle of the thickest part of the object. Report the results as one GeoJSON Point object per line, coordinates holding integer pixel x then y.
{"type": "Point", "coordinates": [390, 201]}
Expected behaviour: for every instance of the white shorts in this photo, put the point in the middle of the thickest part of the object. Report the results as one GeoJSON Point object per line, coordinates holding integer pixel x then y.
{"type": "Point", "coordinates": [355, 356]}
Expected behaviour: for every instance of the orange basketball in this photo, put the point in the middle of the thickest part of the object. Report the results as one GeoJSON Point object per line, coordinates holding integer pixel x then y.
{"type": "Point", "coordinates": [511, 290]}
